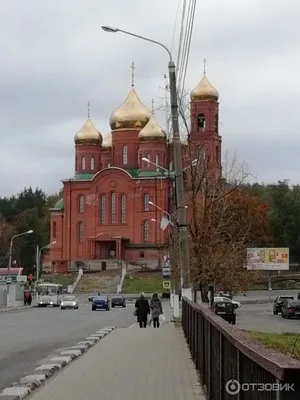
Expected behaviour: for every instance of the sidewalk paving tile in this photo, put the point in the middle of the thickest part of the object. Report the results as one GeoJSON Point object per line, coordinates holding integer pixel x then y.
{"type": "Point", "coordinates": [130, 364]}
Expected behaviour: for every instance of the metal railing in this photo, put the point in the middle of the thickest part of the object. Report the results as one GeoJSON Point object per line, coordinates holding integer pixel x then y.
{"type": "Point", "coordinates": [233, 366]}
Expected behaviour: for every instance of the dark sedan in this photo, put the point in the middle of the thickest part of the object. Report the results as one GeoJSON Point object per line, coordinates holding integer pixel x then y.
{"type": "Point", "coordinates": [290, 309]}
{"type": "Point", "coordinates": [118, 301]}
{"type": "Point", "coordinates": [279, 302]}
{"type": "Point", "coordinates": [92, 295]}
{"type": "Point", "coordinates": [101, 303]}
{"type": "Point", "coordinates": [225, 310]}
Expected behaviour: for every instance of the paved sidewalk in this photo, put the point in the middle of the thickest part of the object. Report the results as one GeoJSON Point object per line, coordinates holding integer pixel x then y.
{"type": "Point", "coordinates": [130, 364]}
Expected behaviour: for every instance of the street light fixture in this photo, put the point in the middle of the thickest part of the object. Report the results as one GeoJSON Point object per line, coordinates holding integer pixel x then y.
{"type": "Point", "coordinates": [157, 165]}
{"type": "Point", "coordinates": [38, 257]}
{"type": "Point", "coordinates": [11, 249]}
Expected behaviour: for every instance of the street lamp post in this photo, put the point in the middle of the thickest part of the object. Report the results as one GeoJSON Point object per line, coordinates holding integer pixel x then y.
{"type": "Point", "coordinates": [11, 249]}
{"type": "Point", "coordinates": [38, 257]}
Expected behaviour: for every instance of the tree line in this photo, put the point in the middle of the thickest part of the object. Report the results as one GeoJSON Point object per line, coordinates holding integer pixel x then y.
{"type": "Point", "coordinates": [271, 213]}
{"type": "Point", "coordinates": [22, 212]}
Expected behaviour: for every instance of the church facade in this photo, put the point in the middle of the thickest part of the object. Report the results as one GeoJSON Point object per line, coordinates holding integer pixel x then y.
{"type": "Point", "coordinates": [112, 207]}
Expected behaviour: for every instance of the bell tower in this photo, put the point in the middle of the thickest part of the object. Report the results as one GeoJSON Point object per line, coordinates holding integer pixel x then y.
{"type": "Point", "coordinates": [204, 122]}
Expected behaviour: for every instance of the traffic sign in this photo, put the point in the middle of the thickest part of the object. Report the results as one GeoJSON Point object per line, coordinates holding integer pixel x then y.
{"type": "Point", "coordinates": [8, 279]}
{"type": "Point", "coordinates": [166, 284]}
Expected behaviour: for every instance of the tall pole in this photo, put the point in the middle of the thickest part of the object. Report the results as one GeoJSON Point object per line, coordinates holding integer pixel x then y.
{"type": "Point", "coordinates": [37, 262]}
{"type": "Point", "coordinates": [184, 259]}
{"type": "Point", "coordinates": [10, 256]}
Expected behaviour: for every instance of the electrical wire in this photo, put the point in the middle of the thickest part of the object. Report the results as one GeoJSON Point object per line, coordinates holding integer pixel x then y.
{"type": "Point", "coordinates": [186, 32]}
{"type": "Point", "coordinates": [175, 25]}
{"type": "Point", "coordinates": [181, 34]}
{"type": "Point", "coordinates": [189, 41]}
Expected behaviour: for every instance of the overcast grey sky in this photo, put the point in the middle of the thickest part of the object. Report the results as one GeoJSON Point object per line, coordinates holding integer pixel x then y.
{"type": "Point", "coordinates": [55, 58]}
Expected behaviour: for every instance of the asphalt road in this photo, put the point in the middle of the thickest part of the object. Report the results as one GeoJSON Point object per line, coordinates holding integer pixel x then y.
{"type": "Point", "coordinates": [29, 337]}
{"type": "Point", "coordinates": [259, 317]}
{"type": "Point", "coordinates": [264, 294]}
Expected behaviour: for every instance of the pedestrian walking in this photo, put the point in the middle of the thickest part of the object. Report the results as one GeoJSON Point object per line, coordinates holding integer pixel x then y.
{"type": "Point", "coordinates": [142, 310]}
{"type": "Point", "coordinates": [156, 310]}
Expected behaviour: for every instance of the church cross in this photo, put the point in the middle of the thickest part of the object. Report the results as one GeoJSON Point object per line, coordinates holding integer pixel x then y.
{"type": "Point", "coordinates": [204, 66]}
{"type": "Point", "coordinates": [89, 109]}
{"type": "Point", "coordinates": [152, 103]}
{"type": "Point", "coordinates": [132, 74]}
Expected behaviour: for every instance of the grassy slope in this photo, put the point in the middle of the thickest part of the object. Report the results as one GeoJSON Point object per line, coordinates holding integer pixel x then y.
{"type": "Point", "coordinates": [142, 282]}
{"type": "Point", "coordinates": [287, 343]}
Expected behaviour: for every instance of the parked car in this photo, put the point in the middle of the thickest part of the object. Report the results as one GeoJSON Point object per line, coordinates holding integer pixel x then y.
{"type": "Point", "coordinates": [225, 310]}
{"type": "Point", "coordinates": [101, 303]}
{"type": "Point", "coordinates": [118, 301]}
{"type": "Point", "coordinates": [290, 309]}
{"type": "Point", "coordinates": [92, 295]}
{"type": "Point", "coordinates": [236, 304]}
{"type": "Point", "coordinates": [70, 302]}
{"type": "Point", "coordinates": [277, 305]}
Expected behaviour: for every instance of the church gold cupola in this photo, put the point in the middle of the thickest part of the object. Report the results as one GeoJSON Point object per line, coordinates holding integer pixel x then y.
{"type": "Point", "coordinates": [204, 116]}
{"type": "Point", "coordinates": [126, 122]}
{"type": "Point", "coordinates": [88, 141]}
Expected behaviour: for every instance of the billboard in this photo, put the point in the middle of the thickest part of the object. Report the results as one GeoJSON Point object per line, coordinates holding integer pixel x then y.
{"type": "Point", "coordinates": [268, 259]}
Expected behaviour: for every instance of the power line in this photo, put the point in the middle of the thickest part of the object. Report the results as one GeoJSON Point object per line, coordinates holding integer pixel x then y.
{"type": "Point", "coordinates": [189, 40]}
{"type": "Point", "coordinates": [175, 25]}
{"type": "Point", "coordinates": [188, 25]}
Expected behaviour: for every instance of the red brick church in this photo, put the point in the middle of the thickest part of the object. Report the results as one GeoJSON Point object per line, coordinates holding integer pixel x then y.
{"type": "Point", "coordinates": [105, 212]}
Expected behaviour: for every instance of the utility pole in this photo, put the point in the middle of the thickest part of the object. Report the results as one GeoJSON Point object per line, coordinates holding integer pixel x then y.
{"type": "Point", "coordinates": [184, 259]}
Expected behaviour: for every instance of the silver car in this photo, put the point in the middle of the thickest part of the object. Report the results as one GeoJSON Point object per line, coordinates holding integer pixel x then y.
{"type": "Point", "coordinates": [69, 302]}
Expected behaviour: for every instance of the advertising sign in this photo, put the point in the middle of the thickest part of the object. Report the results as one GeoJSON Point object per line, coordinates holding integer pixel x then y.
{"type": "Point", "coordinates": [268, 259]}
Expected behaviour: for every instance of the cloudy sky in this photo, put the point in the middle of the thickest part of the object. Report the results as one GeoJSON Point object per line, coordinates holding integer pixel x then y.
{"type": "Point", "coordinates": [55, 58]}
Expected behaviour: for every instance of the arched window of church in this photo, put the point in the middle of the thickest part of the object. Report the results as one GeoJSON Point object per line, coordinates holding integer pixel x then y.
{"type": "Point", "coordinates": [83, 163]}
{"type": "Point", "coordinates": [217, 154]}
{"type": "Point", "coordinates": [200, 122]}
{"type": "Point", "coordinates": [146, 201]}
{"type": "Point", "coordinates": [81, 204]}
{"type": "Point", "coordinates": [217, 123]}
{"type": "Point", "coordinates": [145, 231]}
{"type": "Point", "coordinates": [157, 162]}
{"type": "Point", "coordinates": [113, 208]}
{"type": "Point", "coordinates": [76, 162]}
{"type": "Point", "coordinates": [123, 209]}
{"type": "Point", "coordinates": [80, 232]}
{"type": "Point", "coordinates": [92, 163]}
{"type": "Point", "coordinates": [148, 158]}
{"type": "Point", "coordinates": [125, 155]}
{"type": "Point", "coordinates": [54, 230]}
{"type": "Point", "coordinates": [103, 209]}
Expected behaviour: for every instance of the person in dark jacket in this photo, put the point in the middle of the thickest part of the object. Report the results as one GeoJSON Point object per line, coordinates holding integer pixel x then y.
{"type": "Point", "coordinates": [156, 308]}
{"type": "Point", "coordinates": [142, 310]}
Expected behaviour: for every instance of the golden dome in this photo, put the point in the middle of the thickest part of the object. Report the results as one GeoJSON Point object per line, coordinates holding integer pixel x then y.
{"type": "Point", "coordinates": [152, 130]}
{"type": "Point", "coordinates": [132, 114]}
{"type": "Point", "coordinates": [88, 134]}
{"type": "Point", "coordinates": [107, 141]}
{"type": "Point", "coordinates": [204, 91]}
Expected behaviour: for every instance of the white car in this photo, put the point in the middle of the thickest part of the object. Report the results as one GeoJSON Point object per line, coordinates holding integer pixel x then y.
{"type": "Point", "coordinates": [237, 304]}
{"type": "Point", "coordinates": [69, 302]}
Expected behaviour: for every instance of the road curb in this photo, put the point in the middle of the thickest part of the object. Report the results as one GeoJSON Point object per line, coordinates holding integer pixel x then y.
{"type": "Point", "coordinates": [12, 309]}
{"type": "Point", "coordinates": [26, 385]}
{"type": "Point", "coordinates": [262, 301]}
